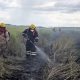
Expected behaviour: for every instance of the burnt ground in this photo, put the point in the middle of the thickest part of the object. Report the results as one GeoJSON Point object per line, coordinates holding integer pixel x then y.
{"type": "Point", "coordinates": [33, 66]}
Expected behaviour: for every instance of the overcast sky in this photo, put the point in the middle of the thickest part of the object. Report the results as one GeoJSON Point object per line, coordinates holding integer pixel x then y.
{"type": "Point", "coordinates": [41, 12]}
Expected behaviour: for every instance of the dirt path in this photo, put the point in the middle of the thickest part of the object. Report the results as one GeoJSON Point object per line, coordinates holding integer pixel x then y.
{"type": "Point", "coordinates": [32, 66]}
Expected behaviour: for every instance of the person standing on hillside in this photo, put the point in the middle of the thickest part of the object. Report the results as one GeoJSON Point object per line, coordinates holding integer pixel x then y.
{"type": "Point", "coordinates": [31, 36]}
{"type": "Point", "coordinates": [4, 38]}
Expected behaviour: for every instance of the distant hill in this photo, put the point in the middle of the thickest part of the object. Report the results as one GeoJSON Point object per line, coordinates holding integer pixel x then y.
{"type": "Point", "coordinates": [56, 28]}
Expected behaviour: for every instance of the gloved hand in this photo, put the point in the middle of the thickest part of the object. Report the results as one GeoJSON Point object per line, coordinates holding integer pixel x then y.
{"type": "Point", "coordinates": [36, 39]}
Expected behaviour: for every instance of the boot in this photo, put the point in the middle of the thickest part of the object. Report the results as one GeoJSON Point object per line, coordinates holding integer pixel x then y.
{"type": "Point", "coordinates": [33, 53]}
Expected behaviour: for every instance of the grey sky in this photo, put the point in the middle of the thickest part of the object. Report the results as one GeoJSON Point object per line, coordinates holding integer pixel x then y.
{"type": "Point", "coordinates": [41, 12]}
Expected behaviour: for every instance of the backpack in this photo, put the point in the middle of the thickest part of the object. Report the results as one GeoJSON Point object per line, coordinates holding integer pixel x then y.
{"type": "Point", "coordinates": [3, 32]}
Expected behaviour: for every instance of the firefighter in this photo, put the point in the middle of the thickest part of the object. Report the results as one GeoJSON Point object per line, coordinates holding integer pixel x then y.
{"type": "Point", "coordinates": [31, 36]}
{"type": "Point", "coordinates": [4, 38]}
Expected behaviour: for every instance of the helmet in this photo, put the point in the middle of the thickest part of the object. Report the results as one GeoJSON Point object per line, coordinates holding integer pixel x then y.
{"type": "Point", "coordinates": [32, 26]}
{"type": "Point", "coordinates": [2, 25]}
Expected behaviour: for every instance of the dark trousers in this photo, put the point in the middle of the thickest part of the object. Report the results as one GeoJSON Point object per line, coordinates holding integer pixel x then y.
{"type": "Point", "coordinates": [30, 46]}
